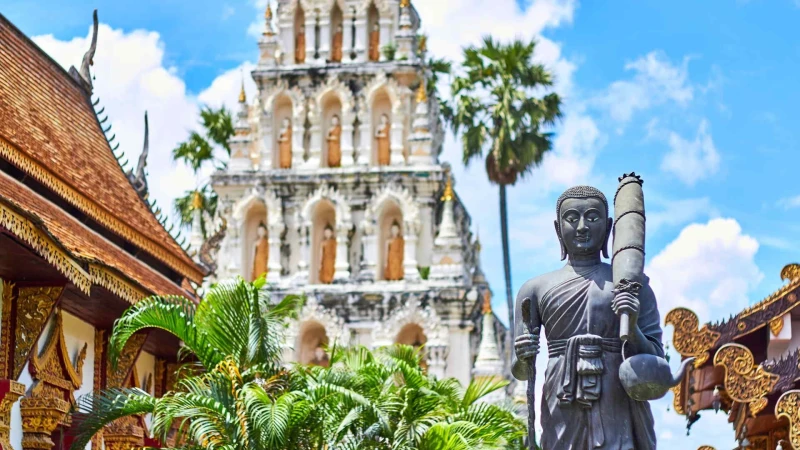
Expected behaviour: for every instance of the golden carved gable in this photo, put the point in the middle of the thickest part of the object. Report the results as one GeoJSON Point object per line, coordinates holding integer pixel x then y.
{"type": "Point", "coordinates": [745, 381]}
{"type": "Point", "coordinates": [689, 339]}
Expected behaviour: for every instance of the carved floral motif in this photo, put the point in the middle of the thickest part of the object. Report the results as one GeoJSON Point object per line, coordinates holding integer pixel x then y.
{"type": "Point", "coordinates": [10, 392]}
{"type": "Point", "coordinates": [33, 305]}
{"type": "Point", "coordinates": [689, 339]}
{"type": "Point", "coordinates": [5, 330]}
{"type": "Point", "coordinates": [788, 406]}
{"type": "Point", "coordinates": [116, 376]}
{"type": "Point", "coordinates": [745, 382]}
{"type": "Point", "coordinates": [776, 326]}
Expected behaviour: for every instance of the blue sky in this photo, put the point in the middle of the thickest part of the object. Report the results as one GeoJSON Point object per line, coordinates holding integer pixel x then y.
{"type": "Point", "coordinates": [698, 97]}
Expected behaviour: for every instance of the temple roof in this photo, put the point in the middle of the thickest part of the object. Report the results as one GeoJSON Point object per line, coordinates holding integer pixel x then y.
{"type": "Point", "coordinates": [49, 130]}
{"type": "Point", "coordinates": [83, 256]}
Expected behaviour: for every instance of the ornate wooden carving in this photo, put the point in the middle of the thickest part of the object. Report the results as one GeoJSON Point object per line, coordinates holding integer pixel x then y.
{"type": "Point", "coordinates": [5, 332]}
{"type": "Point", "coordinates": [116, 377]}
{"type": "Point", "coordinates": [52, 396]}
{"type": "Point", "coordinates": [776, 325]}
{"type": "Point", "coordinates": [677, 400]}
{"type": "Point", "coordinates": [745, 382]}
{"type": "Point", "coordinates": [10, 392]}
{"type": "Point", "coordinates": [706, 447]}
{"type": "Point", "coordinates": [689, 339]}
{"type": "Point", "coordinates": [788, 406]}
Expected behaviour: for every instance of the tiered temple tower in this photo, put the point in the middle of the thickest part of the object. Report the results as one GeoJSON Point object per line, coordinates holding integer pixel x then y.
{"type": "Point", "coordinates": [335, 190]}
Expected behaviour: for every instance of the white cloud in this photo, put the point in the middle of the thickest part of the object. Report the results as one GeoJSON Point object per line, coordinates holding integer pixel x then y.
{"type": "Point", "coordinates": [656, 81]}
{"type": "Point", "coordinates": [789, 202]}
{"type": "Point", "coordinates": [691, 161]}
{"type": "Point", "coordinates": [131, 76]}
{"type": "Point", "coordinates": [708, 268]}
{"type": "Point", "coordinates": [678, 212]}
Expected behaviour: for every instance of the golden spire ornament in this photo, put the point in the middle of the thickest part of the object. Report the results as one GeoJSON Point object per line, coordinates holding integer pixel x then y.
{"type": "Point", "coordinates": [405, 3]}
{"type": "Point", "coordinates": [422, 92]}
{"type": "Point", "coordinates": [197, 200]}
{"type": "Point", "coordinates": [423, 44]}
{"type": "Point", "coordinates": [487, 302]}
{"type": "Point", "coordinates": [242, 96]}
{"type": "Point", "coordinates": [268, 31]}
{"type": "Point", "coordinates": [448, 189]}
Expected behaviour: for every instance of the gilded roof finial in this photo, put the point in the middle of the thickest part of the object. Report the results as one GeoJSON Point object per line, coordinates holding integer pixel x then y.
{"type": "Point", "coordinates": [477, 245]}
{"type": "Point", "coordinates": [422, 92]}
{"type": "Point", "coordinates": [405, 3]}
{"type": "Point", "coordinates": [197, 200]}
{"type": "Point", "coordinates": [423, 43]}
{"type": "Point", "coordinates": [487, 302]}
{"type": "Point", "coordinates": [448, 189]}
{"type": "Point", "coordinates": [242, 96]}
{"type": "Point", "coordinates": [268, 13]}
{"type": "Point", "coordinates": [268, 31]}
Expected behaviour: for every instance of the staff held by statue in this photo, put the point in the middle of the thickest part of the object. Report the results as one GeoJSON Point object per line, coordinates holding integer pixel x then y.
{"type": "Point", "coordinates": [627, 261]}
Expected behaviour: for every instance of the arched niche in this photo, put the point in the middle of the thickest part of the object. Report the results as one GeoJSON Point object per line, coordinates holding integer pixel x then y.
{"type": "Point", "coordinates": [331, 106]}
{"type": "Point", "coordinates": [254, 215]}
{"type": "Point", "coordinates": [373, 26]}
{"type": "Point", "coordinates": [337, 35]}
{"type": "Point", "coordinates": [322, 216]}
{"type": "Point", "coordinates": [388, 213]}
{"type": "Point", "coordinates": [411, 334]}
{"type": "Point", "coordinates": [312, 341]}
{"type": "Point", "coordinates": [381, 105]}
{"type": "Point", "coordinates": [282, 109]}
{"type": "Point", "coordinates": [300, 35]}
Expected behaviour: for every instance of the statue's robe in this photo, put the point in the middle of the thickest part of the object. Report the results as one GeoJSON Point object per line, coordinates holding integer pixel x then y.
{"type": "Point", "coordinates": [384, 149]}
{"type": "Point", "coordinates": [261, 258]}
{"type": "Point", "coordinates": [584, 405]}
{"type": "Point", "coordinates": [285, 149]}
{"type": "Point", "coordinates": [336, 48]}
{"type": "Point", "coordinates": [374, 45]}
{"type": "Point", "coordinates": [300, 48]}
{"type": "Point", "coordinates": [394, 259]}
{"type": "Point", "coordinates": [335, 146]}
{"type": "Point", "coordinates": [327, 266]}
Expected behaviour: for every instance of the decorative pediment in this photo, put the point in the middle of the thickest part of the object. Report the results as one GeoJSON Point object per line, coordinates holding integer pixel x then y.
{"type": "Point", "coordinates": [334, 86]}
{"type": "Point", "coordinates": [402, 198]}
{"type": "Point", "coordinates": [689, 339]}
{"type": "Point", "coordinates": [745, 381]}
{"type": "Point", "coordinates": [379, 83]}
{"type": "Point", "coordinates": [265, 197]}
{"type": "Point", "coordinates": [313, 311]}
{"type": "Point", "coordinates": [344, 218]}
{"type": "Point", "coordinates": [295, 95]}
{"type": "Point", "coordinates": [412, 313]}
{"type": "Point", "coordinates": [788, 406]}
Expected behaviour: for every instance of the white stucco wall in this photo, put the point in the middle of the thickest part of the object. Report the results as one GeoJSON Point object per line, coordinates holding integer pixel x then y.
{"type": "Point", "coordinates": [145, 366]}
{"type": "Point", "coordinates": [76, 334]}
{"type": "Point", "coordinates": [459, 357]}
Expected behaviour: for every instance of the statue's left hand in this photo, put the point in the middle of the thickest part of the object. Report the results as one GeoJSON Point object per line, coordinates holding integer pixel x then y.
{"type": "Point", "coordinates": [625, 302]}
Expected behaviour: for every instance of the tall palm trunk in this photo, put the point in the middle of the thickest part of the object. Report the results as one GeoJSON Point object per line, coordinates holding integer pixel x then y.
{"type": "Point", "coordinates": [506, 257]}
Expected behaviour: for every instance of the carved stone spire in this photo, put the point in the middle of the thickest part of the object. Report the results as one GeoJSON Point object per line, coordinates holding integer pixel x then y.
{"type": "Point", "coordinates": [84, 77]}
{"type": "Point", "coordinates": [138, 178]}
{"type": "Point", "coordinates": [448, 254]}
{"type": "Point", "coordinates": [406, 34]}
{"type": "Point", "coordinates": [448, 233]}
{"type": "Point", "coordinates": [268, 44]}
{"type": "Point", "coordinates": [240, 142]}
{"type": "Point", "coordinates": [488, 364]}
{"type": "Point", "coordinates": [268, 29]}
{"type": "Point", "coordinates": [196, 236]}
{"type": "Point", "coordinates": [421, 140]}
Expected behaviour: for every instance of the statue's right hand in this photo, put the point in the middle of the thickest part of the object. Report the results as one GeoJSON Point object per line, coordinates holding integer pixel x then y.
{"type": "Point", "coordinates": [527, 345]}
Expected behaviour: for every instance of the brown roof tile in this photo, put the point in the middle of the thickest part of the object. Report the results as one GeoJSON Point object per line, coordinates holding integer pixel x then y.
{"type": "Point", "coordinates": [54, 136]}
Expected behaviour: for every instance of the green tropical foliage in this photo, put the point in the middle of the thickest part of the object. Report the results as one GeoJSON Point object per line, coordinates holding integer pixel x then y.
{"type": "Point", "coordinates": [198, 151]}
{"type": "Point", "coordinates": [504, 118]}
{"type": "Point", "coordinates": [236, 395]}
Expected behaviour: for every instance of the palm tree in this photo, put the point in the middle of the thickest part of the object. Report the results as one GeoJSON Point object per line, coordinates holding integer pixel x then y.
{"type": "Point", "coordinates": [497, 107]}
{"type": "Point", "coordinates": [198, 151]}
{"type": "Point", "coordinates": [237, 394]}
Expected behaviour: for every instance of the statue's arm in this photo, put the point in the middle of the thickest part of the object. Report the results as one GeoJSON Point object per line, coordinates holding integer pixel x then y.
{"type": "Point", "coordinates": [519, 368]}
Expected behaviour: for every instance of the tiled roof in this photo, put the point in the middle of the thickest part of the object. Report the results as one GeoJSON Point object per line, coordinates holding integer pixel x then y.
{"type": "Point", "coordinates": [48, 129]}
{"type": "Point", "coordinates": [89, 254]}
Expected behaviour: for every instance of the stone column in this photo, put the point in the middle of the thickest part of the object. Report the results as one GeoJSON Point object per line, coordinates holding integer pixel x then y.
{"type": "Point", "coordinates": [10, 392]}
{"type": "Point", "coordinates": [347, 140]}
{"type": "Point", "coordinates": [396, 140]}
{"type": "Point", "coordinates": [40, 417]}
{"type": "Point", "coordinates": [298, 130]}
{"type": "Point", "coordinates": [311, 24]}
{"type": "Point", "coordinates": [234, 250]}
{"type": "Point", "coordinates": [324, 38]}
{"type": "Point", "coordinates": [361, 37]}
{"type": "Point", "coordinates": [437, 360]}
{"type": "Point", "coordinates": [342, 252]}
{"type": "Point", "coordinates": [303, 233]}
{"type": "Point", "coordinates": [267, 141]}
{"type": "Point", "coordinates": [410, 271]}
{"type": "Point", "coordinates": [386, 34]}
{"type": "Point", "coordinates": [347, 37]}
{"type": "Point", "coordinates": [365, 141]}
{"type": "Point", "coordinates": [274, 263]}
{"type": "Point", "coordinates": [369, 265]}
{"type": "Point", "coordinates": [315, 146]}
{"type": "Point", "coordinates": [459, 359]}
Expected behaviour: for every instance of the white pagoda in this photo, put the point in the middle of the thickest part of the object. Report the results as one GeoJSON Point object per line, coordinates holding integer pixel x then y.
{"type": "Point", "coordinates": [335, 190]}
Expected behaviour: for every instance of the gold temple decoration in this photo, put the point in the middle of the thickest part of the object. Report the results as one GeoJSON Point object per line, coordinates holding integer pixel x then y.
{"type": "Point", "coordinates": [677, 402]}
{"type": "Point", "coordinates": [90, 208]}
{"type": "Point", "coordinates": [788, 406]}
{"type": "Point", "coordinates": [268, 20]}
{"type": "Point", "coordinates": [159, 377]}
{"type": "Point", "coordinates": [102, 276]}
{"type": "Point", "coordinates": [405, 3]}
{"type": "Point", "coordinates": [52, 395]}
{"type": "Point", "coordinates": [706, 447]}
{"type": "Point", "coordinates": [745, 381]}
{"type": "Point", "coordinates": [197, 200]}
{"type": "Point", "coordinates": [5, 330]}
{"type": "Point", "coordinates": [116, 377]}
{"type": "Point", "coordinates": [423, 44]}
{"type": "Point", "coordinates": [10, 392]}
{"type": "Point", "coordinates": [487, 302]}
{"type": "Point", "coordinates": [99, 358]}
{"type": "Point", "coordinates": [689, 340]}
{"type": "Point", "coordinates": [448, 189]}
{"type": "Point", "coordinates": [776, 326]}
{"type": "Point", "coordinates": [33, 308]}
{"type": "Point", "coordinates": [790, 272]}
{"type": "Point", "coordinates": [127, 432]}
{"type": "Point", "coordinates": [422, 92]}
{"type": "Point", "coordinates": [242, 95]}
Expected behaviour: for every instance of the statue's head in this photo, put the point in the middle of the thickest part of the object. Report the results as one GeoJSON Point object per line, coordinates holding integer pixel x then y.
{"type": "Point", "coordinates": [262, 230]}
{"type": "Point", "coordinates": [335, 120]}
{"type": "Point", "coordinates": [384, 119]}
{"type": "Point", "coordinates": [376, 27]}
{"type": "Point", "coordinates": [395, 229]}
{"type": "Point", "coordinates": [339, 28]}
{"type": "Point", "coordinates": [328, 233]}
{"type": "Point", "coordinates": [582, 222]}
{"type": "Point", "coordinates": [286, 122]}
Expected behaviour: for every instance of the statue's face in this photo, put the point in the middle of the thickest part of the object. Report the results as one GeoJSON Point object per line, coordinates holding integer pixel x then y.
{"type": "Point", "coordinates": [262, 232]}
{"type": "Point", "coordinates": [286, 122]}
{"type": "Point", "coordinates": [335, 120]}
{"type": "Point", "coordinates": [395, 231]}
{"type": "Point", "coordinates": [328, 233]}
{"type": "Point", "coordinates": [584, 224]}
{"type": "Point", "coordinates": [384, 119]}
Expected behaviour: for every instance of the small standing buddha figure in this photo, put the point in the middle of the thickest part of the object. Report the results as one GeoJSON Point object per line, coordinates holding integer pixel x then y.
{"type": "Point", "coordinates": [335, 143]}
{"type": "Point", "coordinates": [327, 266]}
{"type": "Point", "coordinates": [285, 144]}
{"type": "Point", "coordinates": [382, 136]}
{"type": "Point", "coordinates": [300, 45]}
{"type": "Point", "coordinates": [336, 45]}
{"type": "Point", "coordinates": [375, 43]}
{"type": "Point", "coordinates": [320, 357]}
{"type": "Point", "coordinates": [261, 253]}
{"type": "Point", "coordinates": [395, 248]}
